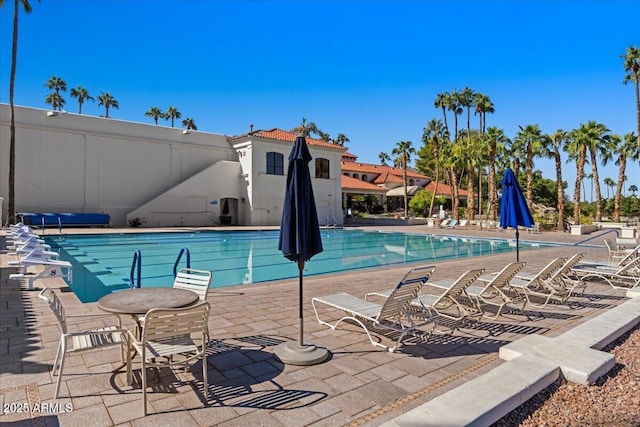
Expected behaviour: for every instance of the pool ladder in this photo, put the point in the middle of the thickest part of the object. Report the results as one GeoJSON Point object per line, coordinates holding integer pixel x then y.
{"type": "Point", "coordinates": [136, 267]}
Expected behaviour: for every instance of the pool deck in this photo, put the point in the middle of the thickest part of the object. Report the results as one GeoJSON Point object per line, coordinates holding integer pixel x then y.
{"type": "Point", "coordinates": [360, 385]}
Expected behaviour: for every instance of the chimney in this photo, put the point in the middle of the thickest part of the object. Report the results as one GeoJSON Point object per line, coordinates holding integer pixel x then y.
{"type": "Point", "coordinates": [251, 129]}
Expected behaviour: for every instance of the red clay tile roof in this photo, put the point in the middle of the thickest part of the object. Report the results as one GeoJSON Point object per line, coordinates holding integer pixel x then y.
{"type": "Point", "coordinates": [444, 189]}
{"type": "Point", "coordinates": [387, 177]}
{"type": "Point", "coordinates": [349, 157]}
{"type": "Point", "coordinates": [352, 184]}
{"type": "Point", "coordinates": [378, 169]}
{"type": "Point", "coordinates": [283, 135]}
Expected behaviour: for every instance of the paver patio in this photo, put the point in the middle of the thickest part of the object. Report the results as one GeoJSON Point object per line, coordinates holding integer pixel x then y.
{"type": "Point", "coordinates": [359, 385]}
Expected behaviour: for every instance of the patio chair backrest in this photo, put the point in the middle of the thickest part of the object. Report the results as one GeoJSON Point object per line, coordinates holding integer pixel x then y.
{"type": "Point", "coordinates": [194, 280]}
{"type": "Point", "coordinates": [504, 276]}
{"type": "Point", "coordinates": [56, 307]}
{"type": "Point", "coordinates": [462, 282]}
{"type": "Point", "coordinates": [405, 292]}
{"type": "Point", "coordinates": [632, 269]}
{"type": "Point", "coordinates": [164, 323]}
{"type": "Point", "coordinates": [633, 253]}
{"type": "Point", "coordinates": [550, 269]}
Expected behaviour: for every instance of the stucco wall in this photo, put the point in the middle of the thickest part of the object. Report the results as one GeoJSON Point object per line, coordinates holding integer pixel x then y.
{"type": "Point", "coordinates": [77, 163]}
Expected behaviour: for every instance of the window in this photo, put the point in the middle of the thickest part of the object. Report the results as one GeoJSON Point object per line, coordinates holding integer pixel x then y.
{"type": "Point", "coordinates": [322, 168]}
{"type": "Point", "coordinates": [356, 176]}
{"type": "Point", "coordinates": [365, 178]}
{"type": "Point", "coordinates": [275, 163]}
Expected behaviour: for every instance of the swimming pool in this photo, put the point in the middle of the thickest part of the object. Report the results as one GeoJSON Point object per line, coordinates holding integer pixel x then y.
{"type": "Point", "coordinates": [102, 263]}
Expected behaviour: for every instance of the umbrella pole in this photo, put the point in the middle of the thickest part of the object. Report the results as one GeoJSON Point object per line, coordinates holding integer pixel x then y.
{"type": "Point", "coordinates": [301, 329]}
{"type": "Point", "coordinates": [517, 245]}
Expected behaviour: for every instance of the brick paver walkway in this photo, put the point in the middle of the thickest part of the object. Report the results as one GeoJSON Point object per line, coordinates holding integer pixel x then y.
{"type": "Point", "coordinates": [358, 385]}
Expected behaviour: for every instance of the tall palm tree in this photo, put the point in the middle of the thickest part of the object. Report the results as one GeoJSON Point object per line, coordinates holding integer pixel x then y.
{"type": "Point", "coordinates": [189, 123]}
{"type": "Point", "coordinates": [384, 158]}
{"type": "Point", "coordinates": [82, 94]}
{"type": "Point", "coordinates": [497, 142]}
{"type": "Point", "coordinates": [57, 84]}
{"type": "Point", "coordinates": [625, 149]}
{"type": "Point", "coordinates": [576, 146]}
{"type": "Point", "coordinates": [632, 67]}
{"type": "Point", "coordinates": [599, 146]}
{"type": "Point", "coordinates": [105, 99]}
{"type": "Point", "coordinates": [341, 139]}
{"type": "Point", "coordinates": [482, 105]}
{"type": "Point", "coordinates": [442, 101]}
{"type": "Point", "coordinates": [434, 133]}
{"type": "Point", "coordinates": [26, 6]}
{"type": "Point", "coordinates": [633, 188]}
{"type": "Point", "coordinates": [403, 152]}
{"type": "Point", "coordinates": [55, 100]}
{"type": "Point", "coordinates": [155, 113]}
{"type": "Point", "coordinates": [551, 146]}
{"type": "Point", "coordinates": [609, 182]}
{"type": "Point", "coordinates": [529, 139]}
{"type": "Point", "coordinates": [172, 113]}
{"type": "Point", "coordinates": [325, 137]}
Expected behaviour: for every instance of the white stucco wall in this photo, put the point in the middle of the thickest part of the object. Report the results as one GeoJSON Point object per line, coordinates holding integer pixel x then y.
{"type": "Point", "coordinates": [76, 163]}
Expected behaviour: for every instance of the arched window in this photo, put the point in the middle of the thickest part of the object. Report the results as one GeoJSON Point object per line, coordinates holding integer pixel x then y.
{"type": "Point", "coordinates": [356, 176]}
{"type": "Point", "coordinates": [365, 178]}
{"type": "Point", "coordinates": [322, 168]}
{"type": "Point", "coordinates": [411, 181]}
{"type": "Point", "coordinates": [275, 163]}
{"type": "Point", "coordinates": [346, 174]}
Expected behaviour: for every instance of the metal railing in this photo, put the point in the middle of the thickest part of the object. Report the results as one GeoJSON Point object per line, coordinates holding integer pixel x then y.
{"type": "Point", "coordinates": [136, 266]}
{"type": "Point", "coordinates": [175, 266]}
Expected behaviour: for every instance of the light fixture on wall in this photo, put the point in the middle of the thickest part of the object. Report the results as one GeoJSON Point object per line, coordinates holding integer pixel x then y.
{"type": "Point", "coordinates": [52, 113]}
{"type": "Point", "coordinates": [186, 132]}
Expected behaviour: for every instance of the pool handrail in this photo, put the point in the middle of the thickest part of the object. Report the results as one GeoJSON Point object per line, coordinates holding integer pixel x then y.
{"type": "Point", "coordinates": [175, 265]}
{"type": "Point", "coordinates": [613, 230]}
{"type": "Point", "coordinates": [137, 262]}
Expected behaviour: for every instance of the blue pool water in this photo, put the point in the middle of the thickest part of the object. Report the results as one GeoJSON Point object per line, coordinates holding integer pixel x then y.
{"type": "Point", "coordinates": [102, 262]}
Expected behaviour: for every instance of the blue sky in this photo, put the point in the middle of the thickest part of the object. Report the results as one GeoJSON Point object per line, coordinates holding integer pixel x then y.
{"type": "Point", "coordinates": [368, 69]}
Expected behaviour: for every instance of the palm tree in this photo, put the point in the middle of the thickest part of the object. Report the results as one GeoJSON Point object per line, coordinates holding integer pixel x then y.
{"type": "Point", "coordinates": [55, 100]}
{"type": "Point", "coordinates": [529, 140]}
{"type": "Point", "coordinates": [325, 137]}
{"type": "Point", "coordinates": [341, 139]}
{"type": "Point", "coordinates": [632, 67]}
{"type": "Point", "coordinates": [189, 123]}
{"type": "Point", "coordinates": [434, 133]}
{"type": "Point", "coordinates": [105, 99]}
{"type": "Point", "coordinates": [551, 146]}
{"type": "Point", "coordinates": [306, 129]}
{"type": "Point", "coordinates": [57, 84]}
{"type": "Point", "coordinates": [610, 183]}
{"type": "Point", "coordinates": [442, 101]}
{"type": "Point", "coordinates": [172, 113]}
{"type": "Point", "coordinates": [626, 149]}
{"type": "Point", "coordinates": [633, 188]}
{"type": "Point", "coordinates": [384, 158]}
{"type": "Point", "coordinates": [483, 105]}
{"type": "Point", "coordinates": [26, 6]}
{"type": "Point", "coordinates": [403, 152]}
{"type": "Point", "coordinates": [497, 142]}
{"type": "Point", "coordinates": [576, 146]}
{"type": "Point", "coordinates": [155, 113]}
{"type": "Point", "coordinates": [599, 145]}
{"type": "Point", "coordinates": [82, 94]}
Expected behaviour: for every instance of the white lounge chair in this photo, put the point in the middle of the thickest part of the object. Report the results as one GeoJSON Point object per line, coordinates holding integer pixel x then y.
{"type": "Point", "coordinates": [171, 337]}
{"type": "Point", "coordinates": [493, 292]}
{"type": "Point", "coordinates": [535, 286]}
{"type": "Point", "coordinates": [630, 256]}
{"type": "Point", "coordinates": [625, 277]}
{"type": "Point", "coordinates": [437, 297]}
{"type": "Point", "coordinates": [84, 339]}
{"type": "Point", "coordinates": [391, 314]}
{"type": "Point", "coordinates": [48, 268]}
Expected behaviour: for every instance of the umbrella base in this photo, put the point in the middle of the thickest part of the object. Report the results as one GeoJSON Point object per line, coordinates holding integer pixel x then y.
{"type": "Point", "coordinates": [291, 353]}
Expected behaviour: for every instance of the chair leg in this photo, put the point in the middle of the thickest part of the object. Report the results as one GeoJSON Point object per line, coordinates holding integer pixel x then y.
{"type": "Point", "coordinates": [63, 351]}
{"type": "Point", "coordinates": [144, 383]}
{"type": "Point", "coordinates": [205, 374]}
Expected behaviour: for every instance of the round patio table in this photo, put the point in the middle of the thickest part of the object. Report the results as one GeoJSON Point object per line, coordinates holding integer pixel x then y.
{"type": "Point", "coordinates": [138, 301]}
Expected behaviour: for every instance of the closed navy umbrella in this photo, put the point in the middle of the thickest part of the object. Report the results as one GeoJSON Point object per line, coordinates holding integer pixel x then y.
{"type": "Point", "coordinates": [514, 211]}
{"type": "Point", "coordinates": [299, 241]}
